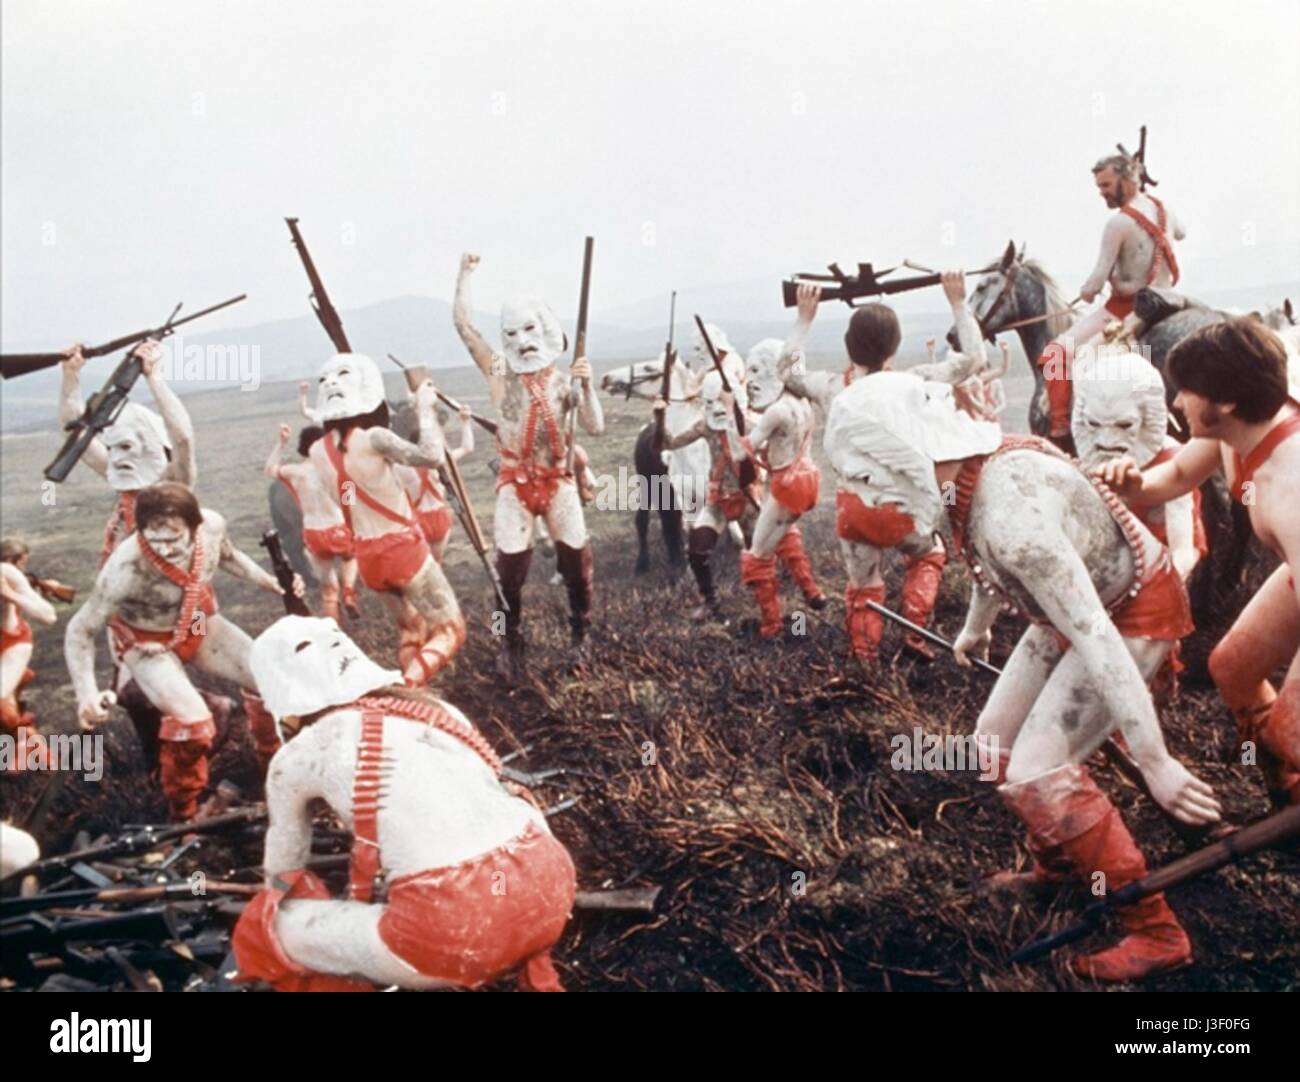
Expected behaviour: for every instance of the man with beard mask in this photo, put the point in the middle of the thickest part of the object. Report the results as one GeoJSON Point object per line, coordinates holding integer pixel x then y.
{"type": "Point", "coordinates": [455, 878]}
{"type": "Point", "coordinates": [142, 448]}
{"type": "Point", "coordinates": [357, 460]}
{"type": "Point", "coordinates": [728, 499]}
{"type": "Point", "coordinates": [155, 595]}
{"type": "Point", "coordinates": [533, 400]}
{"type": "Point", "coordinates": [1136, 251]}
{"type": "Point", "coordinates": [1232, 385]}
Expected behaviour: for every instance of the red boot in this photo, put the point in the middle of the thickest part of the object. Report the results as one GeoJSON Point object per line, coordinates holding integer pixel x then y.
{"type": "Point", "coordinates": [183, 763]}
{"type": "Point", "coordinates": [759, 574]}
{"type": "Point", "coordinates": [1056, 377]}
{"type": "Point", "coordinates": [791, 553]}
{"type": "Point", "coordinates": [920, 589]}
{"type": "Point", "coordinates": [1049, 871]}
{"type": "Point", "coordinates": [1279, 741]}
{"type": "Point", "coordinates": [1064, 810]}
{"type": "Point", "coordinates": [864, 626]}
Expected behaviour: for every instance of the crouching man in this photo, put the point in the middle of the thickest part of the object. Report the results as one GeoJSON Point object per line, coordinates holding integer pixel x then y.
{"type": "Point", "coordinates": [455, 879]}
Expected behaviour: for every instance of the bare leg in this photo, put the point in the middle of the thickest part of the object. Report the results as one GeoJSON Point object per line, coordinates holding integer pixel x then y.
{"type": "Point", "coordinates": [427, 608]}
{"type": "Point", "coordinates": [187, 729]}
{"type": "Point", "coordinates": [864, 626]}
{"type": "Point", "coordinates": [328, 578]}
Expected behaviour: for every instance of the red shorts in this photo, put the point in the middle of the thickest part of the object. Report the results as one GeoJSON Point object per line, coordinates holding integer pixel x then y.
{"type": "Point", "coordinates": [797, 486]}
{"type": "Point", "coordinates": [731, 505]}
{"type": "Point", "coordinates": [391, 560]}
{"type": "Point", "coordinates": [13, 638]}
{"type": "Point", "coordinates": [435, 523]}
{"type": "Point", "coordinates": [1119, 306]}
{"type": "Point", "coordinates": [330, 542]}
{"type": "Point", "coordinates": [472, 922]}
{"type": "Point", "coordinates": [535, 486]}
{"type": "Point", "coordinates": [124, 636]}
{"type": "Point", "coordinates": [883, 527]}
{"type": "Point", "coordinates": [1160, 611]}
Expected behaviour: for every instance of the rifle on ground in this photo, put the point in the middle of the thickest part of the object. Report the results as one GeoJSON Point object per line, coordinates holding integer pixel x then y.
{"type": "Point", "coordinates": [144, 839]}
{"type": "Point", "coordinates": [320, 300]}
{"type": "Point", "coordinates": [1144, 178]}
{"type": "Point", "coordinates": [451, 403]}
{"type": "Point", "coordinates": [20, 364]}
{"type": "Point", "coordinates": [106, 403]}
{"type": "Point", "coordinates": [1121, 760]}
{"type": "Point", "coordinates": [666, 386]}
{"type": "Point", "coordinates": [579, 350]}
{"type": "Point", "coordinates": [284, 574]}
{"type": "Point", "coordinates": [11, 907]}
{"type": "Point", "coordinates": [868, 282]}
{"type": "Point", "coordinates": [746, 470]}
{"type": "Point", "coordinates": [1263, 834]}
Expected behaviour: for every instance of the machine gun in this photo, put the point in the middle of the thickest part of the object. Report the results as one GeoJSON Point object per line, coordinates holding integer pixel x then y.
{"type": "Point", "coordinates": [106, 403]}
{"type": "Point", "coordinates": [869, 282]}
{"type": "Point", "coordinates": [284, 575]}
{"type": "Point", "coordinates": [20, 364]}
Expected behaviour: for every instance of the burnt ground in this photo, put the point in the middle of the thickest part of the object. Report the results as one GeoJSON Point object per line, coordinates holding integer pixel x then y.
{"type": "Point", "coordinates": [727, 770]}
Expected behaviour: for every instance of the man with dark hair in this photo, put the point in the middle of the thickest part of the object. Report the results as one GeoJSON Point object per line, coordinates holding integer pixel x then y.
{"type": "Point", "coordinates": [872, 339]}
{"type": "Point", "coordinates": [1136, 251]}
{"type": "Point", "coordinates": [325, 535]}
{"type": "Point", "coordinates": [155, 595]}
{"type": "Point", "coordinates": [1232, 388]}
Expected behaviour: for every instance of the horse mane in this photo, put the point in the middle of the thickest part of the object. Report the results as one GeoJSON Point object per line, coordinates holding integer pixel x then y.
{"type": "Point", "coordinates": [1054, 299]}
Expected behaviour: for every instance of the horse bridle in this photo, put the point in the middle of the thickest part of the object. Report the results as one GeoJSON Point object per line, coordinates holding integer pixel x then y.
{"type": "Point", "coordinates": [1009, 278]}
{"type": "Point", "coordinates": [634, 381]}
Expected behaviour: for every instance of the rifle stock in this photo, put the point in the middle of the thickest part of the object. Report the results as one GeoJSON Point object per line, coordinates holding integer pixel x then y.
{"type": "Point", "coordinates": [284, 575]}
{"type": "Point", "coordinates": [320, 300]}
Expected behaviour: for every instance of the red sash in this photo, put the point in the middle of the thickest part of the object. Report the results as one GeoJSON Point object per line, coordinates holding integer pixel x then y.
{"type": "Point", "coordinates": [120, 524]}
{"type": "Point", "coordinates": [1243, 472]}
{"type": "Point", "coordinates": [197, 595]}
{"type": "Point", "coordinates": [535, 483]}
{"type": "Point", "coordinates": [1158, 233]}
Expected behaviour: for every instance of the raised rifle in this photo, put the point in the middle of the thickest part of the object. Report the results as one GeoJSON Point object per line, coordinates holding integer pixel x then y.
{"type": "Point", "coordinates": [666, 385]}
{"type": "Point", "coordinates": [1263, 834]}
{"type": "Point", "coordinates": [106, 403]}
{"type": "Point", "coordinates": [1144, 178]}
{"type": "Point", "coordinates": [320, 300]}
{"type": "Point", "coordinates": [746, 470]}
{"type": "Point", "coordinates": [284, 574]}
{"type": "Point", "coordinates": [451, 403]}
{"type": "Point", "coordinates": [579, 349]}
{"type": "Point", "coordinates": [19, 364]}
{"type": "Point", "coordinates": [869, 282]}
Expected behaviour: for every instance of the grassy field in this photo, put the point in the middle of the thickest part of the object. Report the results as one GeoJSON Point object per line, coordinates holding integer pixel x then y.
{"type": "Point", "coordinates": [771, 761]}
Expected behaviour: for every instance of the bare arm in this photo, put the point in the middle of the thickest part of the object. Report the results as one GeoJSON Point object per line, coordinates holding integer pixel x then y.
{"type": "Point", "coordinates": [176, 418]}
{"type": "Point", "coordinates": [238, 563]}
{"type": "Point", "coordinates": [790, 365]}
{"type": "Point", "coordinates": [312, 415]}
{"type": "Point", "coordinates": [15, 589]}
{"type": "Point", "coordinates": [291, 785]}
{"type": "Point", "coordinates": [768, 423]}
{"type": "Point", "coordinates": [1187, 470]}
{"type": "Point", "coordinates": [466, 435]}
{"type": "Point", "coordinates": [460, 315]}
{"type": "Point", "coordinates": [71, 407]}
{"type": "Point", "coordinates": [273, 460]}
{"type": "Point", "coordinates": [430, 451]}
{"type": "Point", "coordinates": [1176, 226]}
{"type": "Point", "coordinates": [1112, 239]}
{"type": "Point", "coordinates": [697, 431]}
{"type": "Point", "coordinates": [587, 401]}
{"type": "Point", "coordinates": [1180, 528]}
{"type": "Point", "coordinates": [977, 633]}
{"type": "Point", "coordinates": [109, 591]}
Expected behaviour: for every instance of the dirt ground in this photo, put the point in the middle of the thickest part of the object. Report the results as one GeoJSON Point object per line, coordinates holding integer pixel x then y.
{"type": "Point", "coordinates": [727, 770]}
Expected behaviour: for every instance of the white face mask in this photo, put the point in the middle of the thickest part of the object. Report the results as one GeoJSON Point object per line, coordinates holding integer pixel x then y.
{"type": "Point", "coordinates": [1119, 407]}
{"type": "Point", "coordinates": [304, 664]}
{"type": "Point", "coordinates": [717, 416]}
{"type": "Point", "coordinates": [137, 449]}
{"type": "Point", "coordinates": [171, 539]}
{"type": "Point", "coordinates": [761, 379]}
{"type": "Point", "coordinates": [700, 359]}
{"type": "Point", "coordinates": [349, 385]}
{"type": "Point", "coordinates": [531, 338]}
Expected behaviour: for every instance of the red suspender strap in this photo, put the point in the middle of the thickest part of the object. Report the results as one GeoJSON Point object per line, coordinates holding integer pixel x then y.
{"type": "Point", "coordinates": [1245, 471]}
{"type": "Point", "coordinates": [120, 525]}
{"type": "Point", "coordinates": [342, 476]}
{"type": "Point", "coordinates": [365, 863]}
{"type": "Point", "coordinates": [427, 484]}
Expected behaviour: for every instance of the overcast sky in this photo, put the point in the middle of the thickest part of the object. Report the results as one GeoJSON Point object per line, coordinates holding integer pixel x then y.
{"type": "Point", "coordinates": [150, 148]}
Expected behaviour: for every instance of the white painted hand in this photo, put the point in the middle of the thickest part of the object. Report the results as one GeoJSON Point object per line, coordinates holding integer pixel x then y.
{"type": "Point", "coordinates": [969, 644]}
{"type": "Point", "coordinates": [95, 710]}
{"type": "Point", "coordinates": [1181, 793]}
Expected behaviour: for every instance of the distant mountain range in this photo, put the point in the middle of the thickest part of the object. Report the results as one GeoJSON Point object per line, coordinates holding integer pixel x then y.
{"type": "Point", "coordinates": [419, 330]}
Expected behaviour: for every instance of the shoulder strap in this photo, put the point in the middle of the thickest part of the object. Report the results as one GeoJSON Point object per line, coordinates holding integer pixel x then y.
{"type": "Point", "coordinates": [1245, 471]}
{"type": "Point", "coordinates": [342, 477]}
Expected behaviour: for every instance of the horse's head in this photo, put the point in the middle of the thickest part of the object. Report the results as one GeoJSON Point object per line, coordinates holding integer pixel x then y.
{"type": "Point", "coordinates": [642, 379]}
{"type": "Point", "coordinates": [996, 299]}
{"type": "Point", "coordinates": [1280, 317]}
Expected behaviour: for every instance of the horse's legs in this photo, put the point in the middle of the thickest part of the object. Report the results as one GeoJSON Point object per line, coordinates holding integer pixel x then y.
{"type": "Point", "coordinates": [642, 549]}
